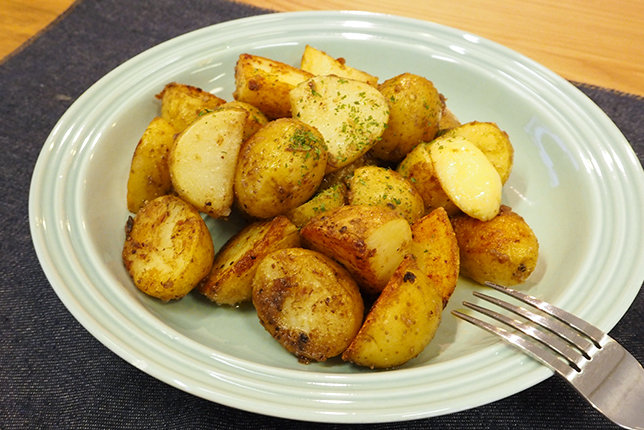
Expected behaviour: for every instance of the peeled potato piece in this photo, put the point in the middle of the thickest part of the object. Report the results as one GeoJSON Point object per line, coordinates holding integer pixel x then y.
{"type": "Point", "coordinates": [307, 302]}
{"type": "Point", "coordinates": [203, 161]}
{"type": "Point", "coordinates": [168, 249]}
{"type": "Point", "coordinates": [401, 323]}
{"type": "Point", "coordinates": [231, 278]}
{"type": "Point", "coordinates": [436, 251]}
{"type": "Point", "coordinates": [370, 241]}
{"type": "Point", "coordinates": [503, 250]}
{"type": "Point", "coordinates": [467, 176]}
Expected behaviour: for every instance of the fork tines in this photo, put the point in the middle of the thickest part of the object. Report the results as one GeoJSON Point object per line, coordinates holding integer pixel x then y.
{"type": "Point", "coordinates": [565, 342]}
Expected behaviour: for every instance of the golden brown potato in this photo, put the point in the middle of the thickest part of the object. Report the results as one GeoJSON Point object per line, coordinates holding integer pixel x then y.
{"type": "Point", "coordinates": [182, 104]}
{"type": "Point", "coordinates": [149, 172]}
{"type": "Point", "coordinates": [370, 241]}
{"type": "Point", "coordinates": [168, 249]}
{"type": "Point", "coordinates": [203, 160]}
{"type": "Point", "coordinates": [448, 120]}
{"type": "Point", "coordinates": [401, 323]}
{"type": "Point", "coordinates": [325, 200]}
{"type": "Point", "coordinates": [503, 250]}
{"type": "Point", "coordinates": [378, 186]}
{"type": "Point", "coordinates": [266, 83]}
{"type": "Point", "coordinates": [319, 62]}
{"type": "Point", "coordinates": [436, 251]}
{"type": "Point", "coordinates": [492, 141]}
{"type": "Point", "coordinates": [230, 281]}
{"type": "Point", "coordinates": [254, 120]}
{"type": "Point", "coordinates": [280, 167]}
{"type": "Point", "coordinates": [350, 114]}
{"type": "Point", "coordinates": [343, 174]}
{"type": "Point", "coordinates": [308, 303]}
{"type": "Point", "coordinates": [467, 176]}
{"type": "Point", "coordinates": [414, 111]}
{"type": "Point", "coordinates": [418, 169]}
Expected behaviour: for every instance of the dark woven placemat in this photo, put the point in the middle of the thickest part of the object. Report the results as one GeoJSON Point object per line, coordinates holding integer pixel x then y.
{"type": "Point", "coordinates": [53, 373]}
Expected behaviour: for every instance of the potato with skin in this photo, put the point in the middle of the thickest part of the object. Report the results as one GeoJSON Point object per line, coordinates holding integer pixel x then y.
{"type": "Point", "coordinates": [266, 83]}
{"type": "Point", "coordinates": [401, 323]}
{"type": "Point", "coordinates": [492, 141]}
{"type": "Point", "coordinates": [149, 172]}
{"type": "Point", "coordinates": [325, 200]}
{"type": "Point", "coordinates": [168, 249]}
{"type": "Point", "coordinates": [182, 104]}
{"type": "Point", "coordinates": [351, 115]}
{"type": "Point", "coordinates": [370, 241]}
{"type": "Point", "coordinates": [308, 302]}
{"type": "Point", "coordinates": [418, 169]}
{"type": "Point", "coordinates": [343, 174]}
{"type": "Point", "coordinates": [231, 279]}
{"type": "Point", "coordinates": [467, 176]}
{"type": "Point", "coordinates": [203, 160]}
{"type": "Point", "coordinates": [378, 186]}
{"type": "Point", "coordinates": [254, 120]}
{"type": "Point", "coordinates": [279, 168]}
{"type": "Point", "coordinates": [414, 112]}
{"type": "Point", "coordinates": [436, 251]}
{"type": "Point", "coordinates": [503, 250]}
{"type": "Point", "coordinates": [319, 63]}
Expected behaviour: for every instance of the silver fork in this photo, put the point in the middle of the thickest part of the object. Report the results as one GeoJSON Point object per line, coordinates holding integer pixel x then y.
{"type": "Point", "coordinates": [600, 369]}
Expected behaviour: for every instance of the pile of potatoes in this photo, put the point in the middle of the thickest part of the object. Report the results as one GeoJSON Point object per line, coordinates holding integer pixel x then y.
{"type": "Point", "coordinates": [364, 202]}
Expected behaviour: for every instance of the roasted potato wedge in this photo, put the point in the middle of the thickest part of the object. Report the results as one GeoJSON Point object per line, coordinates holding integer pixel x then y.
{"type": "Point", "coordinates": [414, 111]}
{"type": "Point", "coordinates": [168, 249]}
{"type": "Point", "coordinates": [308, 302]}
{"type": "Point", "coordinates": [182, 104]}
{"type": "Point", "coordinates": [418, 169]}
{"type": "Point", "coordinates": [370, 241]}
{"type": "Point", "coordinates": [325, 200]}
{"type": "Point", "coordinates": [149, 172]}
{"type": "Point", "coordinates": [492, 141]}
{"type": "Point", "coordinates": [254, 120]}
{"type": "Point", "coordinates": [448, 119]}
{"type": "Point", "coordinates": [343, 174]}
{"type": "Point", "coordinates": [350, 114]}
{"type": "Point", "coordinates": [319, 62]}
{"type": "Point", "coordinates": [203, 160]}
{"type": "Point", "coordinates": [231, 279]}
{"type": "Point", "coordinates": [467, 176]}
{"type": "Point", "coordinates": [401, 323]}
{"type": "Point", "coordinates": [280, 167]}
{"type": "Point", "coordinates": [436, 251]}
{"type": "Point", "coordinates": [266, 84]}
{"type": "Point", "coordinates": [379, 186]}
{"type": "Point", "coordinates": [503, 250]}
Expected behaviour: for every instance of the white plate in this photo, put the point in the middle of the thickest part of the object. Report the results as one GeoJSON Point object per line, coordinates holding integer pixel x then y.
{"type": "Point", "coordinates": [576, 181]}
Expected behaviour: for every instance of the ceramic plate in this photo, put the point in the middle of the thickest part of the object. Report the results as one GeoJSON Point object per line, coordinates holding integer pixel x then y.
{"type": "Point", "coordinates": [576, 181]}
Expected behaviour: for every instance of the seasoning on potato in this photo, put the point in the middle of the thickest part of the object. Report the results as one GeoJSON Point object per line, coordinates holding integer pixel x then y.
{"type": "Point", "coordinates": [401, 323]}
{"type": "Point", "coordinates": [168, 249]}
{"type": "Point", "coordinates": [182, 104]}
{"type": "Point", "coordinates": [279, 168]}
{"type": "Point", "coordinates": [503, 250]}
{"type": "Point", "coordinates": [308, 303]}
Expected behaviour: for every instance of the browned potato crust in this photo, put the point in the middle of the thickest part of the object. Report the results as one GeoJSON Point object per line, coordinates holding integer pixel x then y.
{"type": "Point", "coordinates": [503, 250]}
{"type": "Point", "coordinates": [370, 241]}
{"type": "Point", "coordinates": [325, 200]}
{"type": "Point", "coordinates": [149, 172]}
{"type": "Point", "coordinates": [436, 251]}
{"type": "Point", "coordinates": [320, 63]}
{"type": "Point", "coordinates": [182, 104]}
{"type": "Point", "coordinates": [401, 323]}
{"type": "Point", "coordinates": [168, 249]}
{"type": "Point", "coordinates": [231, 278]}
{"type": "Point", "coordinates": [307, 302]}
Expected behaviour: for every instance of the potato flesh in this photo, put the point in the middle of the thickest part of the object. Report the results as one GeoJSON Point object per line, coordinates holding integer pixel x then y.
{"type": "Point", "coordinates": [149, 172]}
{"type": "Point", "coordinates": [168, 249]}
{"type": "Point", "coordinates": [231, 278]}
{"type": "Point", "coordinates": [308, 303]}
{"type": "Point", "coordinates": [370, 241]}
{"type": "Point", "coordinates": [401, 323]}
{"type": "Point", "coordinates": [320, 63]}
{"type": "Point", "coordinates": [467, 176]}
{"type": "Point", "coordinates": [351, 115]}
{"type": "Point", "coordinates": [204, 158]}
